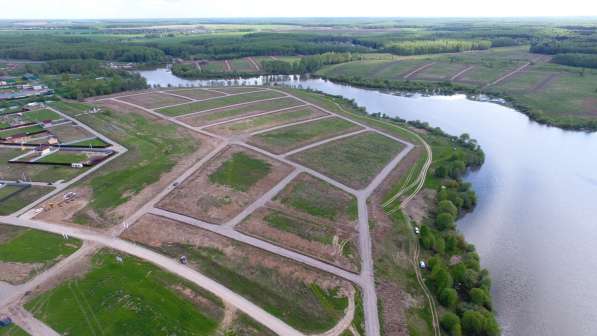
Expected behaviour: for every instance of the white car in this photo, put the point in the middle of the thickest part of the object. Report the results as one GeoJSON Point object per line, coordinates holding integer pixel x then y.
{"type": "Point", "coordinates": [422, 264]}
{"type": "Point", "coordinates": [417, 230]}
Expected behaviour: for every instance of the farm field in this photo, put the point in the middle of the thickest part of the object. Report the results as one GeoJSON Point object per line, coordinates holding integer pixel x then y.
{"type": "Point", "coordinates": [284, 139]}
{"type": "Point", "coordinates": [154, 100]}
{"type": "Point", "coordinates": [129, 297]}
{"type": "Point", "coordinates": [306, 299]}
{"type": "Point", "coordinates": [312, 217]}
{"type": "Point", "coordinates": [219, 102]}
{"type": "Point", "coordinates": [26, 252]}
{"type": "Point", "coordinates": [353, 161]}
{"type": "Point", "coordinates": [227, 184]}
{"type": "Point", "coordinates": [266, 121]}
{"type": "Point", "coordinates": [246, 109]}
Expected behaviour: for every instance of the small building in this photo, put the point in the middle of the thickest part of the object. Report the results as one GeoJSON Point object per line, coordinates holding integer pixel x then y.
{"type": "Point", "coordinates": [53, 141]}
{"type": "Point", "coordinates": [76, 165]}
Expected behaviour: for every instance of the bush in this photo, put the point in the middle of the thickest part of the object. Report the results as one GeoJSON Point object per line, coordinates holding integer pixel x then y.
{"type": "Point", "coordinates": [451, 323]}
{"type": "Point", "coordinates": [444, 221]}
{"type": "Point", "coordinates": [448, 297]}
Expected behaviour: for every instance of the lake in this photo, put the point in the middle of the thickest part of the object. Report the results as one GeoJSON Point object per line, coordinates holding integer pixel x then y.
{"type": "Point", "coordinates": [535, 225]}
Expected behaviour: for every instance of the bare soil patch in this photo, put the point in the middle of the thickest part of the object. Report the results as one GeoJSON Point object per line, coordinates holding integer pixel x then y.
{"type": "Point", "coordinates": [198, 197]}
{"type": "Point", "coordinates": [17, 273]}
{"type": "Point", "coordinates": [197, 94]}
{"type": "Point", "coordinates": [69, 133]}
{"type": "Point", "coordinates": [419, 207]}
{"type": "Point", "coordinates": [394, 304]}
{"type": "Point", "coordinates": [153, 100]}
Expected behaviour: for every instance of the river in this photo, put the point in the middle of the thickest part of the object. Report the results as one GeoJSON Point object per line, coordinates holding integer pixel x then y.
{"type": "Point", "coordinates": [535, 225]}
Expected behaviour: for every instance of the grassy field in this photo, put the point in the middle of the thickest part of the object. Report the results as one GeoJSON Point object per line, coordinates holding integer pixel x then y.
{"type": "Point", "coordinates": [301, 227]}
{"type": "Point", "coordinates": [96, 142]}
{"type": "Point", "coordinates": [41, 115]}
{"type": "Point", "coordinates": [22, 130]}
{"type": "Point", "coordinates": [243, 110]}
{"type": "Point", "coordinates": [353, 161]}
{"type": "Point", "coordinates": [318, 198]}
{"type": "Point", "coordinates": [240, 172]}
{"type": "Point", "coordinates": [37, 173]}
{"type": "Point", "coordinates": [153, 100]}
{"type": "Point", "coordinates": [153, 146]}
{"type": "Point", "coordinates": [64, 157]}
{"type": "Point", "coordinates": [70, 107]}
{"type": "Point", "coordinates": [22, 199]}
{"type": "Point", "coordinates": [33, 246]}
{"type": "Point", "coordinates": [265, 121]}
{"type": "Point", "coordinates": [242, 65]}
{"type": "Point", "coordinates": [219, 102]}
{"type": "Point", "coordinates": [197, 93]}
{"type": "Point", "coordinates": [284, 139]}
{"type": "Point", "coordinates": [128, 298]}
{"type": "Point", "coordinates": [12, 330]}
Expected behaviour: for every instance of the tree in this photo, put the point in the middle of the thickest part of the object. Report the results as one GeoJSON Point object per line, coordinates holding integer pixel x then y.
{"type": "Point", "coordinates": [441, 279]}
{"type": "Point", "coordinates": [451, 323]}
{"type": "Point", "coordinates": [448, 297]}
{"type": "Point", "coordinates": [447, 206]}
{"type": "Point", "coordinates": [444, 221]}
{"type": "Point", "coordinates": [480, 297]}
{"type": "Point", "coordinates": [472, 323]}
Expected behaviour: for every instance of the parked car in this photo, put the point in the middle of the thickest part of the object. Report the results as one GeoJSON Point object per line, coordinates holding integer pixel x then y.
{"type": "Point", "coordinates": [422, 264]}
{"type": "Point", "coordinates": [5, 322]}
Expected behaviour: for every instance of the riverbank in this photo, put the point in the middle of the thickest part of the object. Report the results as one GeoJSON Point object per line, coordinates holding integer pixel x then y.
{"type": "Point", "coordinates": [448, 88]}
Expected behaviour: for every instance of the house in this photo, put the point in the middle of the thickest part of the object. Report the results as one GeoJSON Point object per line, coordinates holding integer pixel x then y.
{"type": "Point", "coordinates": [52, 141]}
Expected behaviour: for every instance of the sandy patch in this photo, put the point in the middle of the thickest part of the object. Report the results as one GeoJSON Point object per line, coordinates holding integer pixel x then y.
{"type": "Point", "coordinates": [17, 273]}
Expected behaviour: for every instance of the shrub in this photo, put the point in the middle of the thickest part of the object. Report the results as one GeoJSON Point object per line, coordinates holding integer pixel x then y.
{"type": "Point", "coordinates": [444, 221]}
{"type": "Point", "coordinates": [451, 323]}
{"type": "Point", "coordinates": [447, 206]}
{"type": "Point", "coordinates": [448, 297]}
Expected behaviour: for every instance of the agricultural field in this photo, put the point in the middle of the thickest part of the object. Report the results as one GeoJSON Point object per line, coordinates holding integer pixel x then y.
{"type": "Point", "coordinates": [309, 300]}
{"type": "Point", "coordinates": [25, 253]}
{"type": "Point", "coordinates": [267, 121]}
{"type": "Point", "coordinates": [130, 297]}
{"type": "Point", "coordinates": [246, 109]}
{"type": "Point", "coordinates": [313, 217]}
{"type": "Point", "coordinates": [353, 161]}
{"type": "Point", "coordinates": [220, 102]}
{"type": "Point", "coordinates": [287, 138]}
{"type": "Point", "coordinates": [227, 184]}
{"type": "Point", "coordinates": [153, 100]}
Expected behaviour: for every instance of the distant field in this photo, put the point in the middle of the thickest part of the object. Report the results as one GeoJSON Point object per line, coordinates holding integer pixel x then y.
{"type": "Point", "coordinates": [284, 139]}
{"type": "Point", "coordinates": [353, 161]}
{"type": "Point", "coordinates": [242, 65]}
{"type": "Point", "coordinates": [64, 157]}
{"type": "Point", "coordinates": [198, 94]}
{"type": "Point", "coordinates": [219, 102]}
{"type": "Point", "coordinates": [95, 142]}
{"type": "Point", "coordinates": [153, 100]}
{"type": "Point", "coordinates": [41, 115]}
{"type": "Point", "coordinates": [22, 130]}
{"type": "Point", "coordinates": [70, 132]}
{"type": "Point", "coordinates": [129, 298]}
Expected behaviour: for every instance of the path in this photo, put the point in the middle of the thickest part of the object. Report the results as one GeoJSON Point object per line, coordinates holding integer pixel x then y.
{"type": "Point", "coordinates": [461, 72]}
{"type": "Point", "coordinates": [227, 66]}
{"type": "Point", "coordinates": [508, 75]}
{"type": "Point", "coordinates": [417, 70]}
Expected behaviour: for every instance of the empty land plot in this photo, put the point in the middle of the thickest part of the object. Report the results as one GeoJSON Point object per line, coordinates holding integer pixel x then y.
{"type": "Point", "coordinates": [41, 115]}
{"type": "Point", "coordinates": [287, 138]}
{"type": "Point", "coordinates": [22, 130]}
{"type": "Point", "coordinates": [307, 299]}
{"type": "Point", "coordinates": [398, 69]}
{"type": "Point", "coordinates": [153, 100]}
{"type": "Point", "coordinates": [353, 161]}
{"type": "Point", "coordinates": [65, 157]}
{"type": "Point", "coordinates": [225, 186]}
{"type": "Point", "coordinates": [362, 69]}
{"type": "Point", "coordinates": [214, 66]}
{"type": "Point", "coordinates": [488, 73]}
{"type": "Point", "coordinates": [313, 217]}
{"type": "Point", "coordinates": [244, 110]}
{"type": "Point", "coordinates": [267, 121]}
{"type": "Point", "coordinates": [219, 102]}
{"type": "Point", "coordinates": [70, 107]}
{"type": "Point", "coordinates": [440, 71]}
{"type": "Point", "coordinates": [524, 81]}
{"type": "Point", "coordinates": [26, 252]}
{"type": "Point", "coordinates": [18, 200]}
{"type": "Point", "coordinates": [242, 65]}
{"type": "Point", "coordinates": [132, 297]}
{"type": "Point", "coordinates": [94, 142]}
{"type": "Point", "coordinates": [237, 89]}
{"type": "Point", "coordinates": [35, 173]}
{"type": "Point", "coordinates": [69, 133]}
{"type": "Point", "coordinates": [198, 94]}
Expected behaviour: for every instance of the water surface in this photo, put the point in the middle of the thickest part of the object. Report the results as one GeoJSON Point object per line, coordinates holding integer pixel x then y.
{"type": "Point", "coordinates": [535, 225]}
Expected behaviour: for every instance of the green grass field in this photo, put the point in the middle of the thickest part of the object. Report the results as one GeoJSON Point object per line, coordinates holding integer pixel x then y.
{"type": "Point", "coordinates": [268, 120]}
{"type": "Point", "coordinates": [318, 198]}
{"type": "Point", "coordinates": [33, 246]}
{"type": "Point", "coordinates": [242, 65]}
{"type": "Point", "coordinates": [41, 115]}
{"type": "Point", "coordinates": [96, 142]}
{"type": "Point", "coordinates": [22, 199]}
{"type": "Point", "coordinates": [22, 130]}
{"type": "Point", "coordinates": [128, 298]}
{"type": "Point", "coordinates": [64, 157]}
{"type": "Point", "coordinates": [37, 173]}
{"type": "Point", "coordinates": [353, 161]}
{"type": "Point", "coordinates": [70, 107]}
{"type": "Point", "coordinates": [303, 228]}
{"type": "Point", "coordinates": [219, 102]}
{"type": "Point", "coordinates": [12, 330]}
{"type": "Point", "coordinates": [243, 110]}
{"type": "Point", "coordinates": [240, 172]}
{"type": "Point", "coordinates": [285, 139]}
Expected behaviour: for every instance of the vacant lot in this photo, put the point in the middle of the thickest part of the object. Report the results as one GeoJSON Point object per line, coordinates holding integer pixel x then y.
{"type": "Point", "coordinates": [237, 89]}
{"type": "Point", "coordinates": [220, 102]}
{"type": "Point", "coordinates": [22, 130]}
{"type": "Point", "coordinates": [131, 297]}
{"type": "Point", "coordinates": [95, 142]}
{"type": "Point", "coordinates": [65, 157]}
{"type": "Point", "coordinates": [285, 139]}
{"type": "Point", "coordinates": [22, 198]}
{"type": "Point", "coordinates": [224, 114]}
{"type": "Point", "coordinates": [41, 115]}
{"type": "Point", "coordinates": [153, 100]}
{"type": "Point", "coordinates": [353, 161]}
{"type": "Point", "coordinates": [266, 121]}
{"type": "Point", "coordinates": [242, 65]}
{"type": "Point", "coordinates": [312, 217]}
{"type": "Point", "coordinates": [198, 94]}
{"type": "Point", "coordinates": [440, 71]}
{"type": "Point", "coordinates": [26, 252]}
{"type": "Point", "coordinates": [306, 299]}
{"type": "Point", "coordinates": [224, 186]}
{"type": "Point", "coordinates": [69, 133]}
{"type": "Point", "coordinates": [35, 173]}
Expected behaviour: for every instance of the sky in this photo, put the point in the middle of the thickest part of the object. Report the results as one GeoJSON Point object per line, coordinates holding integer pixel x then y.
{"type": "Point", "coordinates": [114, 9]}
